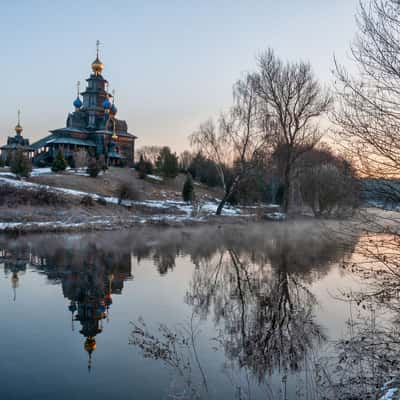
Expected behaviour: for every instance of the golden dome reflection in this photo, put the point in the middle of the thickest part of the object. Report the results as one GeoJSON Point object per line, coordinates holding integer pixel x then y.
{"type": "Point", "coordinates": [90, 344]}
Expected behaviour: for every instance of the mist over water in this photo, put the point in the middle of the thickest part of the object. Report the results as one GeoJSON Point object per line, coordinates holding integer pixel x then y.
{"type": "Point", "coordinates": [238, 311]}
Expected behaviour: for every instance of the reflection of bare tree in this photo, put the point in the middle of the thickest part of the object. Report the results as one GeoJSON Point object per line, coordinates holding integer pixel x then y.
{"type": "Point", "coordinates": [176, 348]}
{"type": "Point", "coordinates": [261, 301]}
{"type": "Point", "coordinates": [378, 264]}
{"type": "Point", "coordinates": [256, 287]}
{"type": "Point", "coordinates": [164, 259]}
{"type": "Point", "coordinates": [367, 357]}
{"type": "Point", "coordinates": [278, 327]}
{"type": "Point", "coordinates": [364, 360]}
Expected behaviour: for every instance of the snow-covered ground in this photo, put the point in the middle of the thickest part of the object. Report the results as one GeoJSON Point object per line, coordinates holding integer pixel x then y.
{"type": "Point", "coordinates": [100, 222]}
{"type": "Point", "coordinates": [34, 172]}
{"type": "Point", "coordinates": [276, 216]}
{"type": "Point", "coordinates": [384, 205]}
{"type": "Point", "coordinates": [53, 224]}
{"type": "Point", "coordinates": [8, 174]}
{"type": "Point", "coordinates": [41, 171]}
{"type": "Point", "coordinates": [36, 186]}
{"type": "Point", "coordinates": [155, 177]}
{"type": "Point", "coordinates": [210, 207]}
{"type": "Point", "coordinates": [47, 171]}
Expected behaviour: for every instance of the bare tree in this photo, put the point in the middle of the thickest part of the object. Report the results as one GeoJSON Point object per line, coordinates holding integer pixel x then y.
{"type": "Point", "coordinates": [327, 182]}
{"type": "Point", "coordinates": [185, 158]}
{"type": "Point", "coordinates": [149, 153]}
{"type": "Point", "coordinates": [236, 141]}
{"type": "Point", "coordinates": [368, 115]}
{"type": "Point", "coordinates": [291, 100]}
{"type": "Point", "coordinates": [368, 121]}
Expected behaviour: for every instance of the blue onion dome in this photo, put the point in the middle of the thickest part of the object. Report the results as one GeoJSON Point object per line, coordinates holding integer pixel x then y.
{"type": "Point", "coordinates": [72, 307]}
{"type": "Point", "coordinates": [101, 309]}
{"type": "Point", "coordinates": [113, 109]}
{"type": "Point", "coordinates": [106, 104]}
{"type": "Point", "coordinates": [77, 102]}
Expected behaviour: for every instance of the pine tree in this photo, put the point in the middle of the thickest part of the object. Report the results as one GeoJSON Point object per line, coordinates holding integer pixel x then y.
{"type": "Point", "coordinates": [188, 189]}
{"type": "Point", "coordinates": [93, 168]}
{"type": "Point", "coordinates": [20, 164]}
{"type": "Point", "coordinates": [59, 163]}
{"type": "Point", "coordinates": [167, 163]}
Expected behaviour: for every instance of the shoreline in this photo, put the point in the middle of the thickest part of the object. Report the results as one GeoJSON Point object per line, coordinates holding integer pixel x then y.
{"type": "Point", "coordinates": [29, 207]}
{"type": "Point", "coordinates": [163, 221]}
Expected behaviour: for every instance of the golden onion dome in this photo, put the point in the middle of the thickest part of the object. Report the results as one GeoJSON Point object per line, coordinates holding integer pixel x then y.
{"type": "Point", "coordinates": [90, 344]}
{"type": "Point", "coordinates": [97, 66]}
{"type": "Point", "coordinates": [18, 128]}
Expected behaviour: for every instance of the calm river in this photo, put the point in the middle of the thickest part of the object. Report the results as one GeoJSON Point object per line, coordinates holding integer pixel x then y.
{"type": "Point", "coordinates": [236, 312]}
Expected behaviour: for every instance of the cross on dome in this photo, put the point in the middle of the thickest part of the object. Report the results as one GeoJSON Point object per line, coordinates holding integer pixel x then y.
{"type": "Point", "coordinates": [97, 65]}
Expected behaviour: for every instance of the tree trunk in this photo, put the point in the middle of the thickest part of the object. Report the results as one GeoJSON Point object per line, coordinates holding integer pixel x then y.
{"type": "Point", "coordinates": [286, 189]}
{"type": "Point", "coordinates": [221, 204]}
{"type": "Point", "coordinates": [228, 194]}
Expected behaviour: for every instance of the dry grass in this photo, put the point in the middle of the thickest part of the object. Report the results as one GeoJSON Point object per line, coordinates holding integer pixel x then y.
{"type": "Point", "coordinates": [127, 191]}
{"type": "Point", "coordinates": [11, 197]}
{"type": "Point", "coordinates": [109, 183]}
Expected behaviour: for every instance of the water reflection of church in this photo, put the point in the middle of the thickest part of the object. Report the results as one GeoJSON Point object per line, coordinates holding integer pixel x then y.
{"type": "Point", "coordinates": [89, 280]}
{"type": "Point", "coordinates": [14, 265]}
{"type": "Point", "coordinates": [90, 299]}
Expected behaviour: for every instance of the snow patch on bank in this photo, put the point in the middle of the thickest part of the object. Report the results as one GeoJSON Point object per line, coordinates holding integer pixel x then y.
{"type": "Point", "coordinates": [276, 216]}
{"type": "Point", "coordinates": [41, 171]}
{"type": "Point", "coordinates": [155, 178]}
{"type": "Point", "coordinates": [389, 395]}
{"type": "Point", "coordinates": [211, 207]}
{"type": "Point", "coordinates": [5, 226]}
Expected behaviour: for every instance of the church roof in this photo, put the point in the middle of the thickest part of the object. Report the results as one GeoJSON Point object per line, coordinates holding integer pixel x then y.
{"type": "Point", "coordinates": [42, 142]}
{"type": "Point", "coordinates": [16, 146]}
{"type": "Point", "coordinates": [55, 139]}
{"type": "Point", "coordinates": [125, 134]}
{"type": "Point", "coordinates": [71, 140]}
{"type": "Point", "coordinates": [69, 129]}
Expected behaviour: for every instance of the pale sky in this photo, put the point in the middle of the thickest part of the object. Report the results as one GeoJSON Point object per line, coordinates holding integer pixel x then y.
{"type": "Point", "coordinates": [171, 63]}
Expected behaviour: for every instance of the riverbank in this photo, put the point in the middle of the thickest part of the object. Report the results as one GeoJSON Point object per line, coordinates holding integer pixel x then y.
{"type": "Point", "coordinates": [72, 201]}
